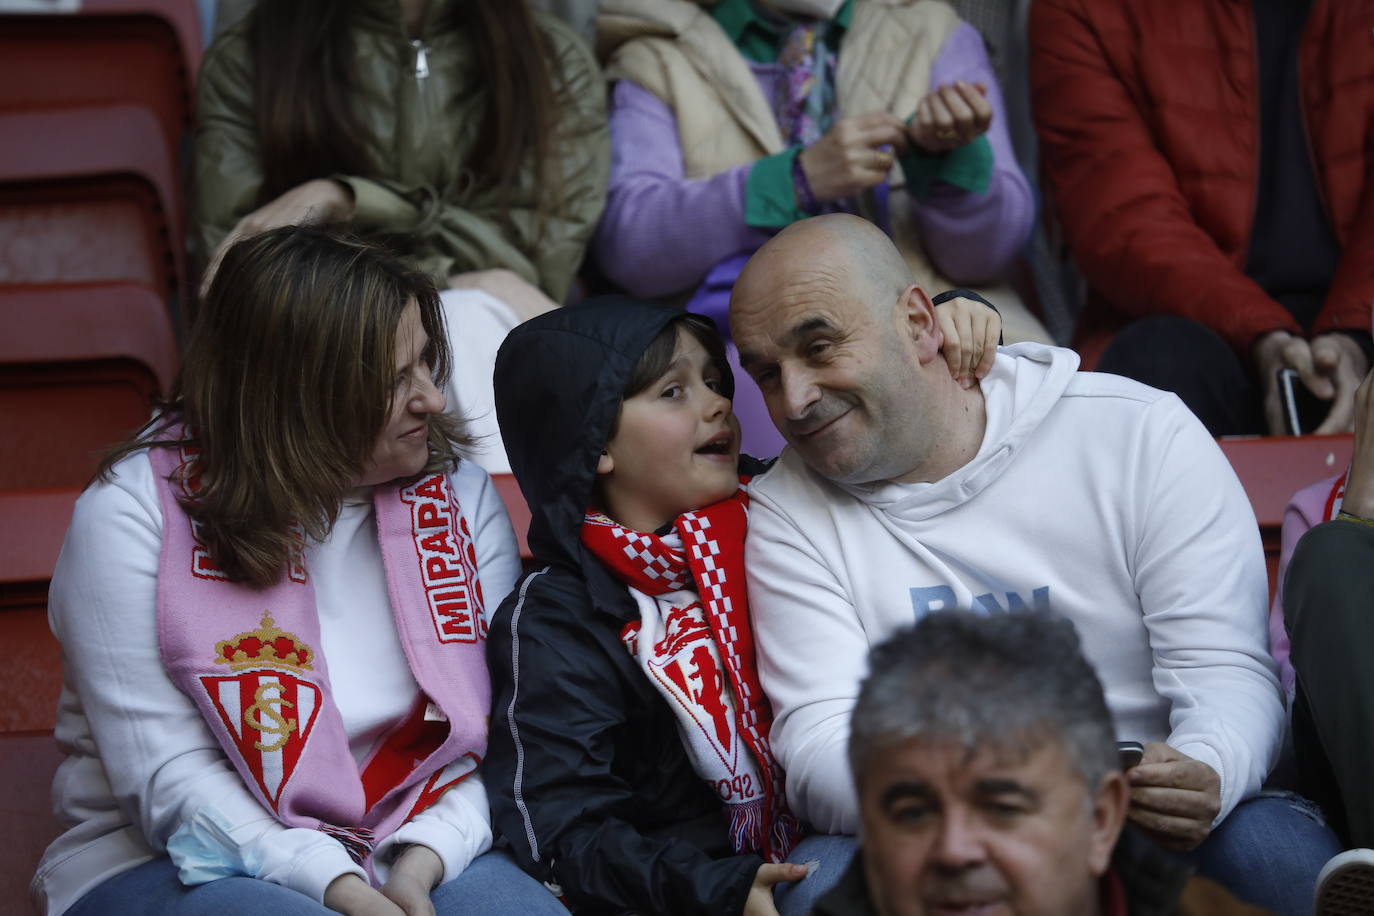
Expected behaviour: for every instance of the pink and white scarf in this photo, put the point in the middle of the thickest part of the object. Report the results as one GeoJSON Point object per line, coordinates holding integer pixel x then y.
{"type": "Point", "coordinates": [247, 657]}
{"type": "Point", "coordinates": [696, 646]}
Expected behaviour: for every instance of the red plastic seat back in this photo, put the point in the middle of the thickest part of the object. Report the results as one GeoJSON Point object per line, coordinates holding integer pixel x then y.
{"type": "Point", "coordinates": [1273, 469]}
{"type": "Point", "coordinates": [85, 231]}
{"type": "Point", "coordinates": [82, 59]}
{"type": "Point", "coordinates": [80, 367]}
{"type": "Point", "coordinates": [27, 763]}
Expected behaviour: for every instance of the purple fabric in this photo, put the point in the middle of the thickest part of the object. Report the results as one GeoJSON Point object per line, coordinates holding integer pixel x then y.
{"type": "Point", "coordinates": [973, 238]}
{"type": "Point", "coordinates": [758, 436]}
{"type": "Point", "coordinates": [662, 233]}
{"type": "Point", "coordinates": [1304, 511]}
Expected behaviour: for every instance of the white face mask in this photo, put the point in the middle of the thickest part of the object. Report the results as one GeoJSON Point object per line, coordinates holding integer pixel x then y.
{"type": "Point", "coordinates": [808, 9]}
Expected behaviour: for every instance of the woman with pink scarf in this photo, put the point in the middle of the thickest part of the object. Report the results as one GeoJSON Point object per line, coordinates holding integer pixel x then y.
{"type": "Point", "coordinates": [272, 606]}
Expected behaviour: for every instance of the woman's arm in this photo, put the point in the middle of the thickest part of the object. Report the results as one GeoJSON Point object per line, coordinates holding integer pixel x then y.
{"type": "Point", "coordinates": [973, 237]}
{"type": "Point", "coordinates": [164, 767]}
{"type": "Point", "coordinates": [662, 232]}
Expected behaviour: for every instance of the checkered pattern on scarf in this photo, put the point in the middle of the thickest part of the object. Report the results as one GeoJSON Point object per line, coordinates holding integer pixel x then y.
{"type": "Point", "coordinates": [655, 559]}
{"type": "Point", "coordinates": [721, 612]}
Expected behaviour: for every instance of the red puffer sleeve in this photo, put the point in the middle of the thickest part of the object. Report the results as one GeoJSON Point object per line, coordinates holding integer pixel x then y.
{"type": "Point", "coordinates": [1127, 222]}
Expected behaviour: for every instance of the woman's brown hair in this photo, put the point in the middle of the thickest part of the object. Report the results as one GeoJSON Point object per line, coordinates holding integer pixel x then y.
{"type": "Point", "coordinates": [286, 385]}
{"type": "Point", "coordinates": [303, 85]}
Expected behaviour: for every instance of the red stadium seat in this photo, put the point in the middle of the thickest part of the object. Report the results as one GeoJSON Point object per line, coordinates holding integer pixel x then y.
{"type": "Point", "coordinates": [1273, 469]}
{"type": "Point", "coordinates": [518, 510]}
{"type": "Point", "coordinates": [145, 53]}
{"type": "Point", "coordinates": [80, 366]}
{"type": "Point", "coordinates": [27, 763]}
{"type": "Point", "coordinates": [88, 193]}
{"type": "Point", "coordinates": [33, 524]}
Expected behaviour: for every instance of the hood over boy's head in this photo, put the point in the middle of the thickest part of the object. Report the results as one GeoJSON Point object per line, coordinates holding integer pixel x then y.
{"type": "Point", "coordinates": [560, 380]}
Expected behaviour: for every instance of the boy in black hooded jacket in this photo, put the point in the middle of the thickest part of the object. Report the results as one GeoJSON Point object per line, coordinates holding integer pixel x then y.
{"type": "Point", "coordinates": [628, 762]}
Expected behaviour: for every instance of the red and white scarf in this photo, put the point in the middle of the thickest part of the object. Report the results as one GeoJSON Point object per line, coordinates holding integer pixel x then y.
{"type": "Point", "coordinates": [695, 644]}
{"type": "Point", "coordinates": [248, 657]}
{"type": "Point", "coordinates": [1335, 497]}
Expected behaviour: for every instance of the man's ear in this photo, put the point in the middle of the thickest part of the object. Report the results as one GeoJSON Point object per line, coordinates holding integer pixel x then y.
{"type": "Point", "coordinates": [605, 464]}
{"type": "Point", "coordinates": [916, 314]}
{"type": "Point", "coordinates": [1110, 802]}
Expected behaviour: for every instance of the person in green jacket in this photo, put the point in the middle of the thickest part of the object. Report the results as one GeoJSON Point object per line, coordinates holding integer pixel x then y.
{"type": "Point", "coordinates": [469, 135]}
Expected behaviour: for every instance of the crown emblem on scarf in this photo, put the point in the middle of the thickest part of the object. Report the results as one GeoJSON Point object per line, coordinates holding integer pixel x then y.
{"type": "Point", "coordinates": [267, 645]}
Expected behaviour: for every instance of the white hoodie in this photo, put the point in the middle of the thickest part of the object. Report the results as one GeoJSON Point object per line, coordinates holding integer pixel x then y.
{"type": "Point", "coordinates": [1094, 495]}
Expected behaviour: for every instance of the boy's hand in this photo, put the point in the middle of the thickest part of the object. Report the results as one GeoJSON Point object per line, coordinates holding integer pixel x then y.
{"type": "Point", "coordinates": [971, 331]}
{"type": "Point", "coordinates": [760, 899]}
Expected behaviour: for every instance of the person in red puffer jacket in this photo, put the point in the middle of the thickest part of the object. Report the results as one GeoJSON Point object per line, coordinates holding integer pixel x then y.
{"type": "Point", "coordinates": [1212, 163]}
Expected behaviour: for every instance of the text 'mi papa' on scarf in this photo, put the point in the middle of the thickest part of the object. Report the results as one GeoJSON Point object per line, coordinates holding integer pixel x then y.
{"type": "Point", "coordinates": [694, 642]}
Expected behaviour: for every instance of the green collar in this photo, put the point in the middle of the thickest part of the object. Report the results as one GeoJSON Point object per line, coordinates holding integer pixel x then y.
{"type": "Point", "coordinates": [760, 39]}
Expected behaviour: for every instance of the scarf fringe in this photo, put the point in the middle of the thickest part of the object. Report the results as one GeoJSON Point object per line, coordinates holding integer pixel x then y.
{"type": "Point", "coordinates": [786, 832]}
{"type": "Point", "coordinates": [747, 825]}
{"type": "Point", "coordinates": [358, 842]}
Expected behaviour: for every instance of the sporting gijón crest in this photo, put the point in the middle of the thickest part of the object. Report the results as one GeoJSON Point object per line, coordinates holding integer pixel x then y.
{"type": "Point", "coordinates": [267, 704]}
{"type": "Point", "coordinates": [684, 664]}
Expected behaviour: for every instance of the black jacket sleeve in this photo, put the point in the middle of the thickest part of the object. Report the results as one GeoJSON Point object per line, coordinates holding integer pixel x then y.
{"type": "Point", "coordinates": [558, 718]}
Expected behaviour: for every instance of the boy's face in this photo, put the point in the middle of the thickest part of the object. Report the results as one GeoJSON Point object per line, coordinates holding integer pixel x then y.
{"type": "Point", "coordinates": [677, 446]}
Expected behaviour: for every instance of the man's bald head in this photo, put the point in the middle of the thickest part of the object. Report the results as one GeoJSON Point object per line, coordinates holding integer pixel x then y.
{"type": "Point", "coordinates": [845, 349]}
{"type": "Point", "coordinates": [837, 254]}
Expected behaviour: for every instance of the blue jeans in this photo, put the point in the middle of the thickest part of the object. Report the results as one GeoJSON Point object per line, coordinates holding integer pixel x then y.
{"type": "Point", "coordinates": [1268, 852]}
{"type": "Point", "coordinates": [493, 885]}
{"type": "Point", "coordinates": [828, 858]}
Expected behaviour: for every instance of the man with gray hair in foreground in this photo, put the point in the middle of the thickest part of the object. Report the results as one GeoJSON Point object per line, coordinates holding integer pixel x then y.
{"type": "Point", "coordinates": [989, 781]}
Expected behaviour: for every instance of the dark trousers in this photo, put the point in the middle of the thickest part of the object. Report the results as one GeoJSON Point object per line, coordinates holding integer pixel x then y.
{"type": "Point", "coordinates": [1328, 602]}
{"type": "Point", "coordinates": [1194, 362]}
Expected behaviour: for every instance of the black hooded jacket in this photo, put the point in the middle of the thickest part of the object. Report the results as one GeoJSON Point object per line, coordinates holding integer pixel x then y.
{"type": "Point", "coordinates": [585, 769]}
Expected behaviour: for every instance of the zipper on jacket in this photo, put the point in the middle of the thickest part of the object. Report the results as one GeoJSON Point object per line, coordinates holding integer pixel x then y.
{"type": "Point", "coordinates": [421, 59]}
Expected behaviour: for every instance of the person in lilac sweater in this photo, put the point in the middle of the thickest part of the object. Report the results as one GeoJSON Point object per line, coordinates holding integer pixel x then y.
{"type": "Point", "coordinates": [663, 233]}
{"type": "Point", "coordinates": [699, 181]}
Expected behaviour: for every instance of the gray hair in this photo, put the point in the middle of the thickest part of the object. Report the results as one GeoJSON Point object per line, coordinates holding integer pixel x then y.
{"type": "Point", "coordinates": [985, 681]}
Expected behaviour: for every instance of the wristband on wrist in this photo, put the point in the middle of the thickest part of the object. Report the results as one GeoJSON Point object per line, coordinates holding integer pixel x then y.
{"type": "Point", "coordinates": [806, 200]}
{"type": "Point", "coordinates": [1352, 517]}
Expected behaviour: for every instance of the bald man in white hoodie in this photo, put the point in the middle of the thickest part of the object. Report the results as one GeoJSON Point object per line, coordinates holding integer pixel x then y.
{"type": "Point", "coordinates": [902, 493]}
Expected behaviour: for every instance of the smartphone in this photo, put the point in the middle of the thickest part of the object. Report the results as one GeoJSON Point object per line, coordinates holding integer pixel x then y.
{"type": "Point", "coordinates": [1132, 752]}
{"type": "Point", "coordinates": [1298, 403]}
